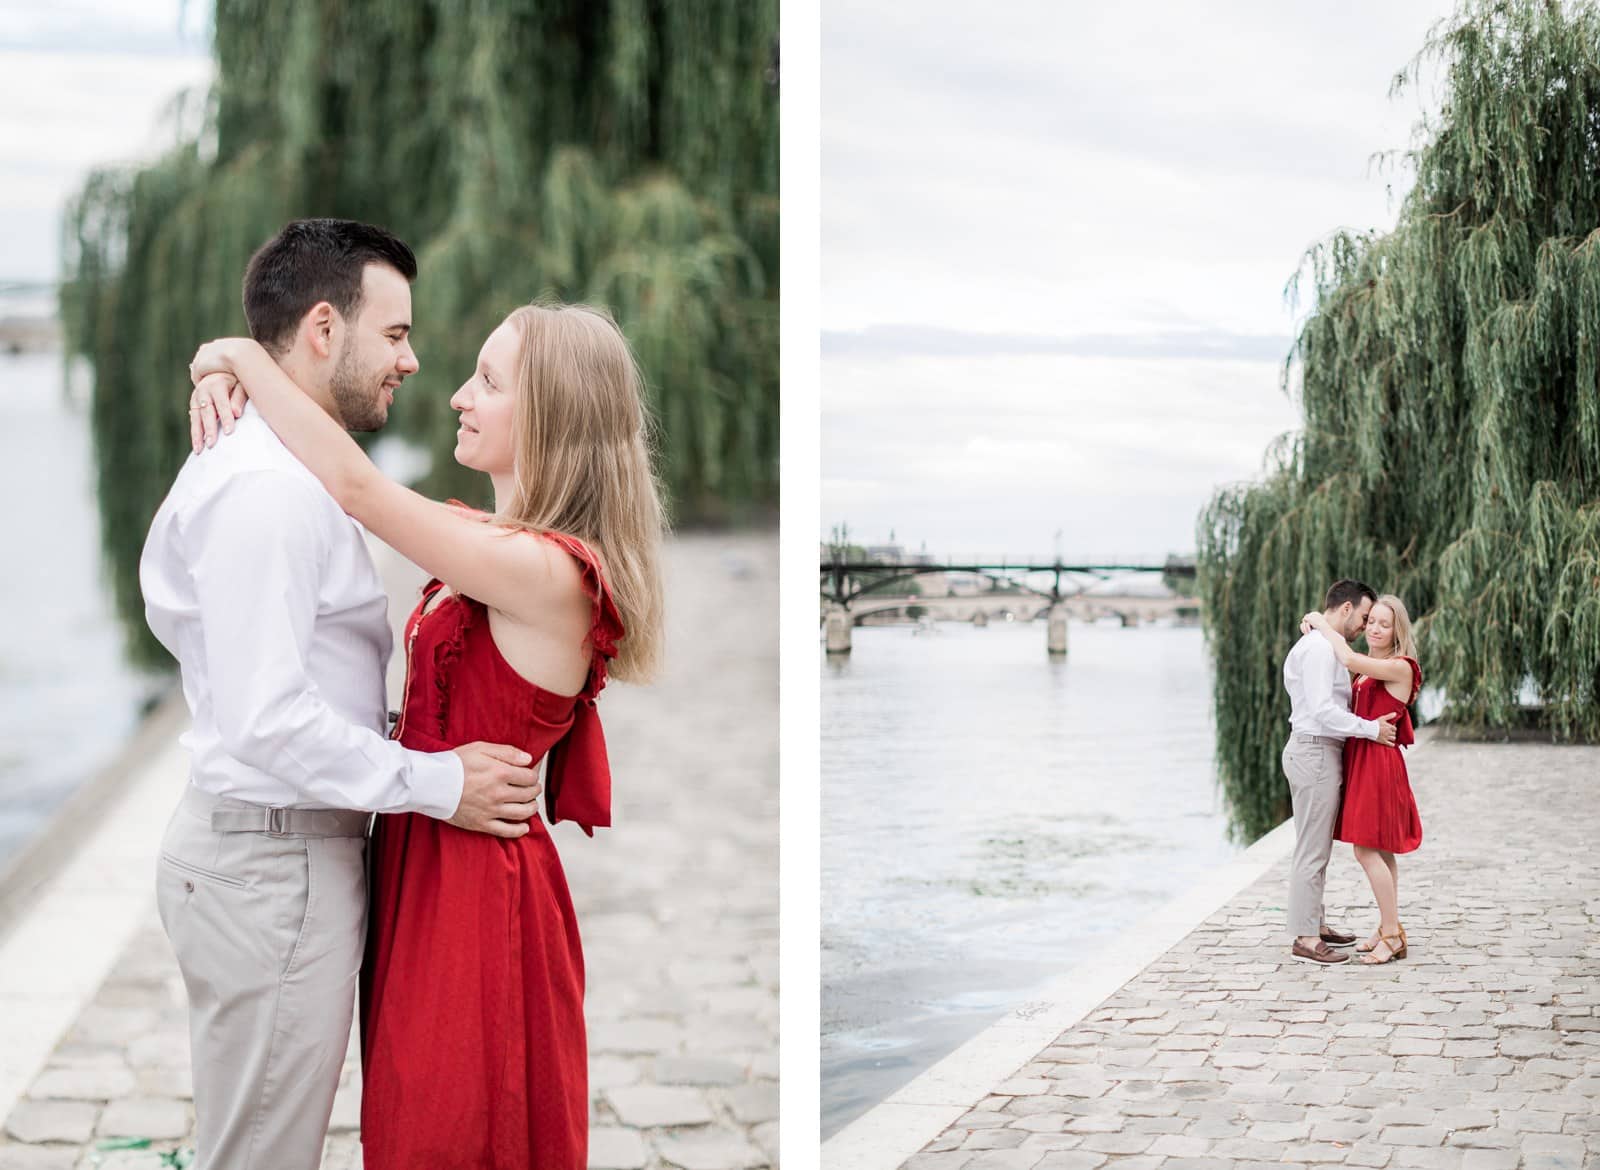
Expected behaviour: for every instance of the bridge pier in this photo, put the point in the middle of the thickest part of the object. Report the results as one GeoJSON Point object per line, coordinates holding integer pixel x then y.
{"type": "Point", "coordinates": [1056, 630]}
{"type": "Point", "coordinates": [838, 624]}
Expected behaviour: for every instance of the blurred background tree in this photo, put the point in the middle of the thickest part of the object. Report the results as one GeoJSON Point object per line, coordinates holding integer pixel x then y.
{"type": "Point", "coordinates": [1450, 382]}
{"type": "Point", "coordinates": [623, 152]}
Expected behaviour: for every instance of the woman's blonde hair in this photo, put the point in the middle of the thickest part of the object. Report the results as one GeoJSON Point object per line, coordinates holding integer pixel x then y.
{"type": "Point", "coordinates": [1405, 643]}
{"type": "Point", "coordinates": [582, 437]}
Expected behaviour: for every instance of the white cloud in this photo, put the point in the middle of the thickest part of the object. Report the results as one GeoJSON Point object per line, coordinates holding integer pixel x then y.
{"type": "Point", "coordinates": [82, 85]}
{"type": "Point", "coordinates": [1023, 207]}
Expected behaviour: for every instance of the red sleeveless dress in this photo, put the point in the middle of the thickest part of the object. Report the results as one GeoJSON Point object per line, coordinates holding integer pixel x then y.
{"type": "Point", "coordinates": [1378, 810]}
{"type": "Point", "coordinates": [473, 1047]}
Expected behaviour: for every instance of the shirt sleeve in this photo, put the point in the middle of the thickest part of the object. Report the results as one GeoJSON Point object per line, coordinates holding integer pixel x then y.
{"type": "Point", "coordinates": [257, 551]}
{"type": "Point", "coordinates": [1325, 708]}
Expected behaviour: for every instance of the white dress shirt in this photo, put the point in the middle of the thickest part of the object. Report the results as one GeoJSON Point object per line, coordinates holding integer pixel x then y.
{"type": "Point", "coordinates": [263, 589]}
{"type": "Point", "coordinates": [1319, 692]}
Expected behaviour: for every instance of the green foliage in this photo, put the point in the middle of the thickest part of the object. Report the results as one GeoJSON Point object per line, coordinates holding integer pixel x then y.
{"type": "Point", "coordinates": [616, 151]}
{"type": "Point", "coordinates": [1451, 394]}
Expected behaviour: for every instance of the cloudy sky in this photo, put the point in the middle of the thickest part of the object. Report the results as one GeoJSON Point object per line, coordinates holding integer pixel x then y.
{"type": "Point", "coordinates": [1055, 247]}
{"type": "Point", "coordinates": [82, 83]}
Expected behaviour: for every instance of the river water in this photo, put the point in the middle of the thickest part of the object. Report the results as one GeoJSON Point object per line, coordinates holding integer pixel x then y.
{"type": "Point", "coordinates": [989, 817]}
{"type": "Point", "coordinates": [68, 700]}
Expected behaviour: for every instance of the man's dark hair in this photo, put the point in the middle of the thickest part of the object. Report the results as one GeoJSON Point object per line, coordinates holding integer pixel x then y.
{"type": "Point", "coordinates": [313, 260]}
{"type": "Point", "coordinates": [1345, 590]}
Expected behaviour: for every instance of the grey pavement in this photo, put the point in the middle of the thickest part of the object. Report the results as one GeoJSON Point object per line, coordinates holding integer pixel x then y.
{"type": "Point", "coordinates": [1479, 1051]}
{"type": "Point", "coordinates": [678, 906]}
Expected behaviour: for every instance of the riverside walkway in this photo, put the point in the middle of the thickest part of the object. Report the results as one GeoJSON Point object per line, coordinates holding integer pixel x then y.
{"type": "Point", "coordinates": [678, 905]}
{"type": "Point", "coordinates": [1479, 1051]}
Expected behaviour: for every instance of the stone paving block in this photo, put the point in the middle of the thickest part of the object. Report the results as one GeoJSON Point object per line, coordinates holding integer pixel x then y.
{"type": "Point", "coordinates": [1412, 1135]}
{"type": "Point", "coordinates": [167, 1049]}
{"type": "Point", "coordinates": [52, 1121]}
{"type": "Point", "coordinates": [709, 1151]}
{"type": "Point", "coordinates": [1024, 1087]}
{"type": "Point", "coordinates": [1281, 1132]}
{"type": "Point", "coordinates": [1533, 1121]}
{"type": "Point", "coordinates": [1490, 1160]}
{"type": "Point", "coordinates": [937, 1160]}
{"type": "Point", "coordinates": [1049, 1123]}
{"type": "Point", "coordinates": [1411, 1046]}
{"type": "Point", "coordinates": [1176, 1147]}
{"type": "Point", "coordinates": [1372, 1156]}
{"type": "Point", "coordinates": [165, 1082]}
{"type": "Point", "coordinates": [982, 1119]}
{"type": "Point", "coordinates": [648, 1106]}
{"type": "Point", "coordinates": [1431, 1158]}
{"type": "Point", "coordinates": [1529, 1043]}
{"type": "Point", "coordinates": [687, 1070]}
{"type": "Point", "coordinates": [1017, 1159]}
{"type": "Point", "coordinates": [1118, 1143]}
{"type": "Point", "coordinates": [1071, 1160]}
{"type": "Point", "coordinates": [754, 1103]}
{"type": "Point", "coordinates": [615, 1148]}
{"type": "Point", "coordinates": [1552, 1146]}
{"type": "Point", "coordinates": [146, 1117]}
{"type": "Point", "coordinates": [95, 1083]}
{"type": "Point", "coordinates": [37, 1157]}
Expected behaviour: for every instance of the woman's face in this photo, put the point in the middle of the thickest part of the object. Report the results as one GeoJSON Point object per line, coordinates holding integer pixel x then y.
{"type": "Point", "coordinates": [1380, 628]}
{"type": "Point", "coordinates": [484, 441]}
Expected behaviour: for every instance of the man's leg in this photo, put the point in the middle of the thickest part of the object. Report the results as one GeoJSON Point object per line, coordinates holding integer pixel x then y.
{"type": "Point", "coordinates": [1313, 771]}
{"type": "Point", "coordinates": [268, 932]}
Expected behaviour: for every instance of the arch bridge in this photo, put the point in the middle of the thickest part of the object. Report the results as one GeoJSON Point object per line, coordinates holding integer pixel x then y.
{"type": "Point", "coordinates": [853, 592]}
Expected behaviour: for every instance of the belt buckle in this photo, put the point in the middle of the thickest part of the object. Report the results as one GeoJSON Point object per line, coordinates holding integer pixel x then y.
{"type": "Point", "coordinates": [277, 821]}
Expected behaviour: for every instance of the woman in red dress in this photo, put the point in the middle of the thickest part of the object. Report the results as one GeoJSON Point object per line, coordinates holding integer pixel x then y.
{"type": "Point", "coordinates": [473, 1045]}
{"type": "Point", "coordinates": [1378, 814]}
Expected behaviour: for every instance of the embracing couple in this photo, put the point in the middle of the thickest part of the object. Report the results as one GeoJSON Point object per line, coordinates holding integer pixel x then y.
{"type": "Point", "coordinates": [1347, 778]}
{"type": "Point", "coordinates": [453, 921]}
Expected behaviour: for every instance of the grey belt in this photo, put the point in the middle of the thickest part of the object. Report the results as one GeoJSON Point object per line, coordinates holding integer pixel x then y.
{"type": "Point", "coordinates": [1325, 740]}
{"type": "Point", "coordinates": [228, 814]}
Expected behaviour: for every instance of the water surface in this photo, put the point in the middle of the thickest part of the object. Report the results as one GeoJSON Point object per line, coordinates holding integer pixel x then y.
{"type": "Point", "coordinates": [68, 700]}
{"type": "Point", "coordinates": [989, 817]}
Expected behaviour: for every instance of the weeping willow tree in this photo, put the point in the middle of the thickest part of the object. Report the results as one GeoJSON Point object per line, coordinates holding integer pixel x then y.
{"type": "Point", "coordinates": [614, 151]}
{"type": "Point", "coordinates": [1450, 381]}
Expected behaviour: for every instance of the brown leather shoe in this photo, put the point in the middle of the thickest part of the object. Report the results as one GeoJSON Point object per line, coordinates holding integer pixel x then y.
{"type": "Point", "coordinates": [1301, 953]}
{"type": "Point", "coordinates": [1336, 938]}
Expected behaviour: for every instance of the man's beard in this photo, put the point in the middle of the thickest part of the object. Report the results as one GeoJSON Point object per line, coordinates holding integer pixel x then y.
{"type": "Point", "coordinates": [360, 409]}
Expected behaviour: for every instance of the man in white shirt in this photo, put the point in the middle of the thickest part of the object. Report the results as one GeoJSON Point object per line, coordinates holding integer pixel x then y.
{"type": "Point", "coordinates": [263, 590]}
{"type": "Point", "coordinates": [1320, 721]}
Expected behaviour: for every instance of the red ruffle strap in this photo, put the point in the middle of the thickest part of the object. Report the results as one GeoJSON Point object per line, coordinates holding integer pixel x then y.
{"type": "Point", "coordinates": [1416, 681]}
{"type": "Point", "coordinates": [605, 621]}
{"type": "Point", "coordinates": [577, 775]}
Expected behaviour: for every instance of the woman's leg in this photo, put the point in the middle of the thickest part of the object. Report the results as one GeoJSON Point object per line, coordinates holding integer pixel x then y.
{"type": "Point", "coordinates": [1382, 880]}
{"type": "Point", "coordinates": [1394, 877]}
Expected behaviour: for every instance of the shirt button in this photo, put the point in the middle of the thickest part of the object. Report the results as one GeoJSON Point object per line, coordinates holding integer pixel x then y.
{"type": "Point", "coordinates": [189, 886]}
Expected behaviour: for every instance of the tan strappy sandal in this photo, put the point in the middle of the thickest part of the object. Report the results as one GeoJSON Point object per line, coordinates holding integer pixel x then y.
{"type": "Point", "coordinates": [1367, 946]}
{"type": "Point", "coordinates": [1387, 940]}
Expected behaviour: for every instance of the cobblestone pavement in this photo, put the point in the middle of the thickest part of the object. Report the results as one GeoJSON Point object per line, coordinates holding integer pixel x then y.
{"type": "Point", "coordinates": [1479, 1051]}
{"type": "Point", "coordinates": [678, 905]}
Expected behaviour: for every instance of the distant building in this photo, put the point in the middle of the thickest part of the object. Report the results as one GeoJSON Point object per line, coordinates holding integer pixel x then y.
{"type": "Point", "coordinates": [886, 554]}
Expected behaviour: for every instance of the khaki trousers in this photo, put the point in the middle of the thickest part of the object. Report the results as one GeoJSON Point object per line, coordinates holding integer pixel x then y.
{"type": "Point", "coordinates": [1315, 768]}
{"type": "Point", "coordinates": [269, 930]}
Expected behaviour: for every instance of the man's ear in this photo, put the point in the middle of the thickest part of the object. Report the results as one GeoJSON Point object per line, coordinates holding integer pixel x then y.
{"type": "Point", "coordinates": [320, 325]}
